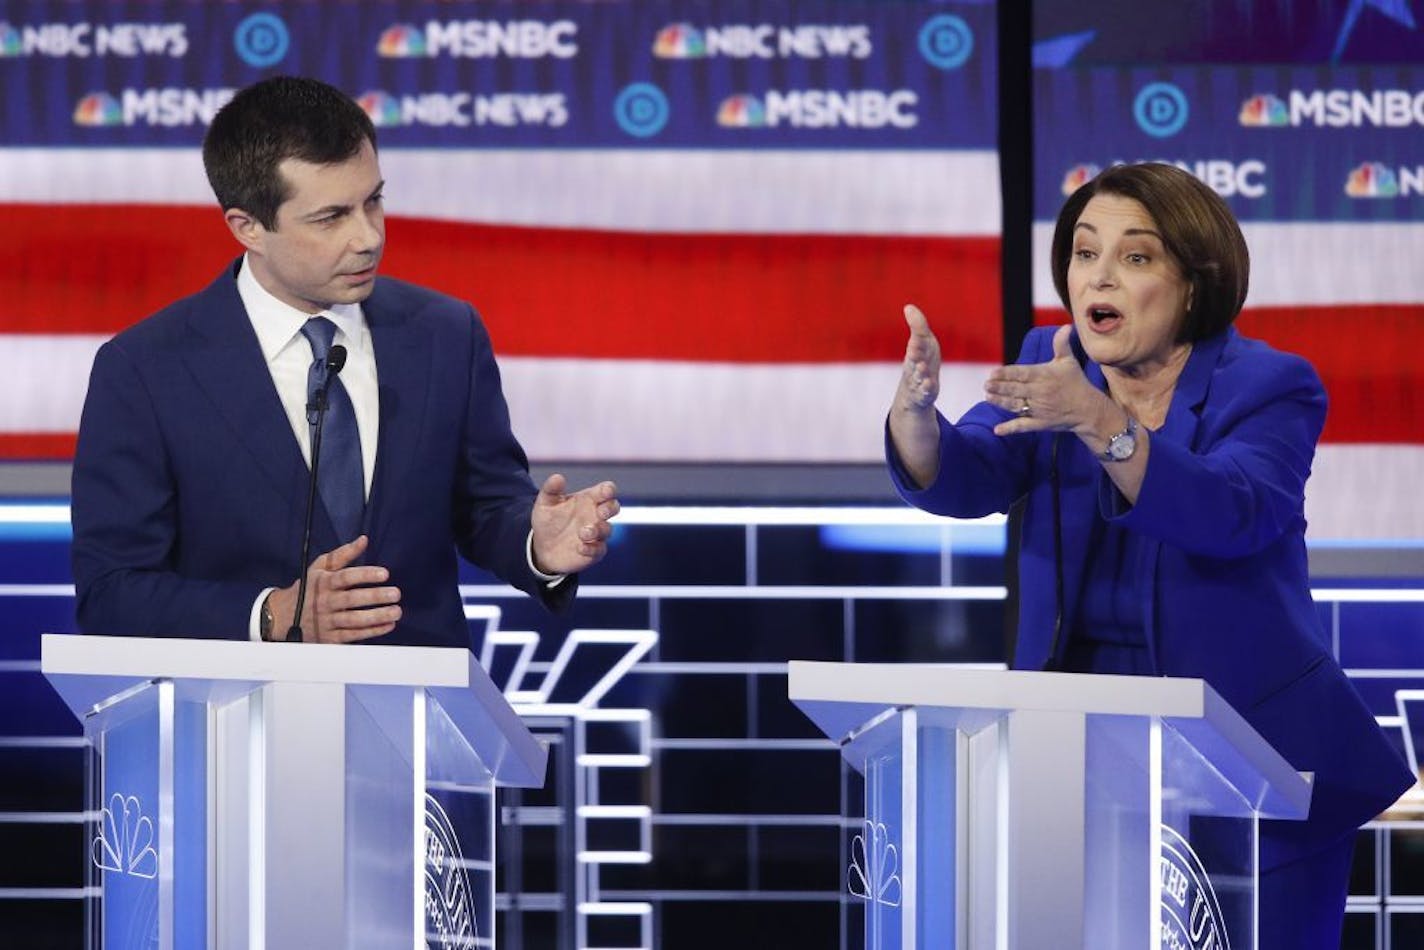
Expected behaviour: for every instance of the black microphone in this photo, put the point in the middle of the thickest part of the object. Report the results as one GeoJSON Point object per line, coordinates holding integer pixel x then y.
{"type": "Point", "coordinates": [316, 415]}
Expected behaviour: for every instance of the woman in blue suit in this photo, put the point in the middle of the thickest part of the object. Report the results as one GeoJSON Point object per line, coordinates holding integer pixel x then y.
{"type": "Point", "coordinates": [1163, 459]}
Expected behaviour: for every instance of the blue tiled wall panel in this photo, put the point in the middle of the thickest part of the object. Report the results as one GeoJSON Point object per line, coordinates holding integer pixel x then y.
{"type": "Point", "coordinates": [33, 557]}
{"type": "Point", "coordinates": [623, 786]}
{"type": "Point", "coordinates": [805, 858]}
{"type": "Point", "coordinates": [673, 554]}
{"type": "Point", "coordinates": [744, 631]}
{"type": "Point", "coordinates": [1406, 864]}
{"type": "Point", "coordinates": [29, 706]}
{"type": "Point", "coordinates": [703, 706]}
{"type": "Point", "coordinates": [614, 931]}
{"type": "Point", "coordinates": [929, 631]}
{"type": "Point", "coordinates": [777, 715]}
{"type": "Point", "coordinates": [1361, 928]}
{"type": "Point", "coordinates": [1364, 876]}
{"type": "Point", "coordinates": [689, 857]}
{"type": "Point", "coordinates": [1406, 927]}
{"type": "Point", "coordinates": [42, 779]}
{"type": "Point", "coordinates": [1382, 636]}
{"type": "Point", "coordinates": [42, 855]}
{"type": "Point", "coordinates": [749, 781]}
{"type": "Point", "coordinates": [1378, 691]}
{"type": "Point", "coordinates": [24, 619]}
{"type": "Point", "coordinates": [753, 924]}
{"type": "Point", "coordinates": [798, 555]}
{"type": "Point", "coordinates": [726, 857]}
{"type": "Point", "coordinates": [43, 924]}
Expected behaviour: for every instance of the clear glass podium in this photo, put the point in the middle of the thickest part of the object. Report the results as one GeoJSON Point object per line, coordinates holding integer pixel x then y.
{"type": "Point", "coordinates": [290, 795]}
{"type": "Point", "coordinates": [1021, 810]}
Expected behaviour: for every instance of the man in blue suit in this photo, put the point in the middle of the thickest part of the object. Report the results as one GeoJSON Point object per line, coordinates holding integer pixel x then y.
{"type": "Point", "coordinates": [194, 448]}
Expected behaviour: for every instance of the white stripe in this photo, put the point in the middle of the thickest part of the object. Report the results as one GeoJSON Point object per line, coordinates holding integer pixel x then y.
{"type": "Point", "coordinates": [662, 411]}
{"type": "Point", "coordinates": [34, 514]}
{"type": "Point", "coordinates": [159, 176]}
{"type": "Point", "coordinates": [1310, 264]}
{"type": "Point", "coordinates": [759, 192]}
{"type": "Point", "coordinates": [719, 191]}
{"type": "Point", "coordinates": [1366, 491]}
{"type": "Point", "coordinates": [781, 515]}
{"type": "Point", "coordinates": [43, 380]}
{"type": "Point", "coordinates": [593, 410]}
{"type": "Point", "coordinates": [576, 409]}
{"type": "Point", "coordinates": [49, 893]}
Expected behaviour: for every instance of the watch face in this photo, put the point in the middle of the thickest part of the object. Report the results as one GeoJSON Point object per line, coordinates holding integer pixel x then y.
{"type": "Point", "coordinates": [1122, 446]}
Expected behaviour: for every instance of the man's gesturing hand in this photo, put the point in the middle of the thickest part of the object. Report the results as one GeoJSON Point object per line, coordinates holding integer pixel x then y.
{"type": "Point", "coordinates": [571, 529]}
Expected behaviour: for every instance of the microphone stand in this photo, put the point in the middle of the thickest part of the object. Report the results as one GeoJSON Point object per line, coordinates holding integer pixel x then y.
{"type": "Point", "coordinates": [316, 416]}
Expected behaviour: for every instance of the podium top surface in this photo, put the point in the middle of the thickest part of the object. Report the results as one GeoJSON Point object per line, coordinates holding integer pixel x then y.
{"type": "Point", "coordinates": [89, 671]}
{"type": "Point", "coordinates": [937, 684]}
{"type": "Point", "coordinates": [841, 698]}
{"type": "Point", "coordinates": [248, 661]}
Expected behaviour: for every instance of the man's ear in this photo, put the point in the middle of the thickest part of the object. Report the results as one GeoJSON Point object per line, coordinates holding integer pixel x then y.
{"type": "Point", "coordinates": [249, 232]}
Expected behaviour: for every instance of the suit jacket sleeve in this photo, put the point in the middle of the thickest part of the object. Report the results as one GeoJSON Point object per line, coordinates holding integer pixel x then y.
{"type": "Point", "coordinates": [494, 494]}
{"type": "Point", "coordinates": [124, 511]}
{"type": "Point", "coordinates": [979, 472]}
{"type": "Point", "coordinates": [1243, 484]}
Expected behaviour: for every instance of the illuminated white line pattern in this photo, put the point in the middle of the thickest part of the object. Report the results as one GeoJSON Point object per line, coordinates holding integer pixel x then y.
{"type": "Point", "coordinates": [531, 680]}
{"type": "Point", "coordinates": [766, 592]}
{"type": "Point", "coordinates": [538, 691]}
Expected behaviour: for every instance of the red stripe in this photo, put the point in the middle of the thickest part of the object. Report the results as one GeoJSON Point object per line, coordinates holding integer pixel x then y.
{"type": "Point", "coordinates": [1364, 354]}
{"type": "Point", "coordinates": [546, 292]}
{"type": "Point", "coordinates": [36, 446]}
{"type": "Point", "coordinates": [738, 298]}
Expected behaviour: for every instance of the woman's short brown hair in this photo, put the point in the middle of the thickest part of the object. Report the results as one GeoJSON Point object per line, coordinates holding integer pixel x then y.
{"type": "Point", "coordinates": [1197, 227]}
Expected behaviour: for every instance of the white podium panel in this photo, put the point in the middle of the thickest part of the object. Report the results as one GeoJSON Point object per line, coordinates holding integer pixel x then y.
{"type": "Point", "coordinates": [1027, 810]}
{"type": "Point", "coordinates": [290, 795]}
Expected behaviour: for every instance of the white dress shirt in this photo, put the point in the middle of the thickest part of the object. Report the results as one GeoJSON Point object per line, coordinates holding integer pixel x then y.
{"type": "Point", "coordinates": [289, 357]}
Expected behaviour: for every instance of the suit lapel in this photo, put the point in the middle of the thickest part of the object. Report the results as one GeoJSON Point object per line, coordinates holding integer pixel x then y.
{"type": "Point", "coordinates": [1079, 475]}
{"type": "Point", "coordinates": [1190, 392]}
{"type": "Point", "coordinates": [404, 376]}
{"type": "Point", "coordinates": [226, 361]}
{"type": "Point", "coordinates": [1180, 428]}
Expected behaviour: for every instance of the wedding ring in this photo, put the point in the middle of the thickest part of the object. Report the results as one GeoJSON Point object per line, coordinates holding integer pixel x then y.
{"type": "Point", "coordinates": [1025, 409]}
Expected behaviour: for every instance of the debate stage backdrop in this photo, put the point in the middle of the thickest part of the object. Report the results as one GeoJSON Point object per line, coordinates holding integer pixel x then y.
{"type": "Point", "coordinates": [691, 225]}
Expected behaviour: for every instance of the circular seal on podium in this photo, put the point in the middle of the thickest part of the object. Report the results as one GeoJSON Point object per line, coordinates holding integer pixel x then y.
{"type": "Point", "coordinates": [449, 904]}
{"type": "Point", "coordinates": [1191, 913]}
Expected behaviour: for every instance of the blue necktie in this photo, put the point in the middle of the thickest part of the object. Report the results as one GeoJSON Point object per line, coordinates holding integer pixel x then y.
{"type": "Point", "coordinates": [341, 479]}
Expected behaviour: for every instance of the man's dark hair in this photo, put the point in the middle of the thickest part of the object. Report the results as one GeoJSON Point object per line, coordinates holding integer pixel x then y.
{"type": "Point", "coordinates": [1197, 227]}
{"type": "Point", "coordinates": [274, 120]}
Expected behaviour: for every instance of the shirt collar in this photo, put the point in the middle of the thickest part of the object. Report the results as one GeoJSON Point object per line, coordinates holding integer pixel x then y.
{"type": "Point", "coordinates": [277, 323]}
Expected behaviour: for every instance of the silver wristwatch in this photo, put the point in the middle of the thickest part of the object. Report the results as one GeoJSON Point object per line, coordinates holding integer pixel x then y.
{"type": "Point", "coordinates": [1123, 445]}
